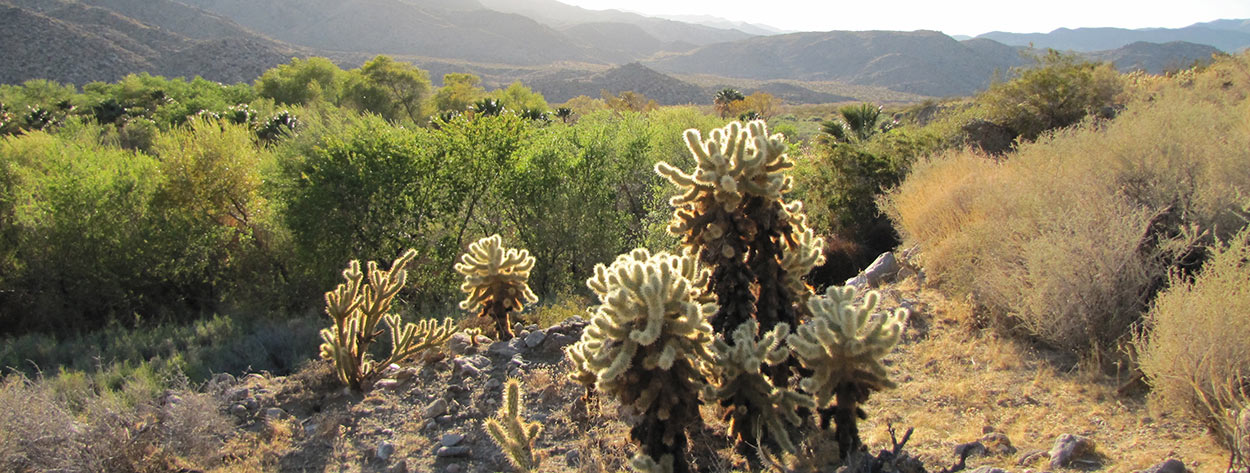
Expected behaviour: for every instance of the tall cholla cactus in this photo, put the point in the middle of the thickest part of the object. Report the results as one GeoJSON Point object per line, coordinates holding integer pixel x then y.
{"type": "Point", "coordinates": [512, 433]}
{"type": "Point", "coordinates": [646, 344]}
{"type": "Point", "coordinates": [754, 403]}
{"type": "Point", "coordinates": [843, 349]}
{"type": "Point", "coordinates": [495, 280]}
{"type": "Point", "coordinates": [356, 308]}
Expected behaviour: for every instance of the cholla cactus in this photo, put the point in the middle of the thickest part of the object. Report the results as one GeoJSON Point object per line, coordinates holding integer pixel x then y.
{"type": "Point", "coordinates": [843, 349]}
{"type": "Point", "coordinates": [512, 433]}
{"type": "Point", "coordinates": [647, 344]}
{"type": "Point", "coordinates": [754, 403]}
{"type": "Point", "coordinates": [495, 281]}
{"type": "Point", "coordinates": [356, 308]}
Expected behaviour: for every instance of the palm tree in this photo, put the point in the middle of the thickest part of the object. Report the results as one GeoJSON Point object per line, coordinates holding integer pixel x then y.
{"type": "Point", "coordinates": [488, 107]}
{"type": "Point", "coordinates": [725, 97]}
{"type": "Point", "coordinates": [564, 114]}
{"type": "Point", "coordinates": [858, 124]}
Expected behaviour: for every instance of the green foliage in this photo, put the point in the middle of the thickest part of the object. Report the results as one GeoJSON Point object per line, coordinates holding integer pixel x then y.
{"type": "Point", "coordinates": [518, 97]}
{"type": "Point", "coordinates": [393, 90]}
{"type": "Point", "coordinates": [1058, 91]}
{"type": "Point", "coordinates": [843, 350]}
{"type": "Point", "coordinates": [488, 107]}
{"type": "Point", "coordinates": [511, 433]}
{"type": "Point", "coordinates": [737, 374]}
{"type": "Point", "coordinates": [357, 306]}
{"type": "Point", "coordinates": [859, 123]}
{"type": "Point", "coordinates": [647, 344]}
{"type": "Point", "coordinates": [459, 92]}
{"type": "Point", "coordinates": [495, 282]}
{"type": "Point", "coordinates": [302, 82]}
{"type": "Point", "coordinates": [724, 99]}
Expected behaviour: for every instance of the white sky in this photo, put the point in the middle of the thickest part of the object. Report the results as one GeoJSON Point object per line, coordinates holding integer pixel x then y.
{"type": "Point", "coordinates": [967, 17]}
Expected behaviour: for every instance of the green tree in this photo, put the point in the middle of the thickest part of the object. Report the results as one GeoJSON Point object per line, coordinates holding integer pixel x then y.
{"type": "Point", "coordinates": [1058, 91]}
{"type": "Point", "coordinates": [518, 97]}
{"type": "Point", "coordinates": [858, 123]}
{"type": "Point", "coordinates": [394, 90]}
{"type": "Point", "coordinates": [302, 82]}
{"type": "Point", "coordinates": [724, 98]}
{"type": "Point", "coordinates": [458, 93]}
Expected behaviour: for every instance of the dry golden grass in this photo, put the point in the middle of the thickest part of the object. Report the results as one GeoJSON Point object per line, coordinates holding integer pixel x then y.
{"type": "Point", "coordinates": [1064, 237]}
{"type": "Point", "coordinates": [955, 383]}
{"type": "Point", "coordinates": [1197, 351]}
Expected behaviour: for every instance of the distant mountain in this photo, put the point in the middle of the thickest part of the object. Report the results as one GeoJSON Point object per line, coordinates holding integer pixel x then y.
{"type": "Point", "coordinates": [718, 22]}
{"type": "Point", "coordinates": [664, 89]}
{"type": "Point", "coordinates": [921, 62]}
{"type": "Point", "coordinates": [562, 15]}
{"type": "Point", "coordinates": [1226, 35]}
{"type": "Point", "coordinates": [1155, 58]}
{"type": "Point", "coordinates": [79, 43]}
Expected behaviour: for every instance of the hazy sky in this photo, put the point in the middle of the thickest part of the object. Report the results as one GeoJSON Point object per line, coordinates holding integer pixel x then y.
{"type": "Point", "coordinates": [967, 17]}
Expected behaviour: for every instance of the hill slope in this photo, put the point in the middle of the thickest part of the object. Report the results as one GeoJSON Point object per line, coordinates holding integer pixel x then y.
{"type": "Point", "coordinates": [1227, 35]}
{"type": "Point", "coordinates": [1155, 58]}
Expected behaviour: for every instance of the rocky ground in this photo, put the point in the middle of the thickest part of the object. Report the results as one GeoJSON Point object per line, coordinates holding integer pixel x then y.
{"type": "Point", "coordinates": [996, 404]}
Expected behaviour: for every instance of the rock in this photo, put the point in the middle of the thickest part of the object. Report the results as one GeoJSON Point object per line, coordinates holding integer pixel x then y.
{"type": "Point", "coordinates": [573, 458]}
{"type": "Point", "coordinates": [385, 450]}
{"type": "Point", "coordinates": [310, 429]}
{"type": "Point", "coordinates": [881, 270]}
{"type": "Point", "coordinates": [275, 413]}
{"type": "Point", "coordinates": [465, 368]}
{"type": "Point", "coordinates": [560, 340]}
{"type": "Point", "coordinates": [386, 383]}
{"type": "Point", "coordinates": [254, 377]}
{"type": "Point", "coordinates": [970, 449]}
{"type": "Point", "coordinates": [997, 443]}
{"type": "Point", "coordinates": [406, 374]}
{"type": "Point", "coordinates": [1067, 447]}
{"type": "Point", "coordinates": [988, 469]}
{"type": "Point", "coordinates": [459, 343]}
{"type": "Point", "coordinates": [237, 394]}
{"type": "Point", "coordinates": [401, 467]}
{"type": "Point", "coordinates": [444, 419]}
{"type": "Point", "coordinates": [451, 439]}
{"type": "Point", "coordinates": [535, 338]}
{"type": "Point", "coordinates": [503, 349]}
{"type": "Point", "coordinates": [493, 383]}
{"type": "Point", "coordinates": [516, 362]}
{"type": "Point", "coordinates": [251, 403]}
{"type": "Point", "coordinates": [389, 371]}
{"type": "Point", "coordinates": [239, 410]}
{"type": "Point", "coordinates": [1030, 456]}
{"type": "Point", "coordinates": [456, 451]}
{"type": "Point", "coordinates": [988, 136]}
{"type": "Point", "coordinates": [223, 379]}
{"type": "Point", "coordinates": [435, 409]}
{"type": "Point", "coordinates": [1170, 466]}
{"type": "Point", "coordinates": [454, 468]}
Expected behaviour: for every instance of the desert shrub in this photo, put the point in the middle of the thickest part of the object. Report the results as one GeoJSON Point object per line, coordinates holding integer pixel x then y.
{"type": "Point", "coordinates": [1068, 237]}
{"type": "Point", "coordinates": [1058, 91]}
{"type": "Point", "coordinates": [1195, 349]}
{"type": "Point", "coordinates": [36, 432]}
{"type": "Point", "coordinates": [302, 81]}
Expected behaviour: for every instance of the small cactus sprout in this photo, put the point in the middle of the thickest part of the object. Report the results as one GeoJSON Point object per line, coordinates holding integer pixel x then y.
{"type": "Point", "coordinates": [513, 435]}
{"type": "Point", "coordinates": [473, 333]}
{"type": "Point", "coordinates": [495, 281]}
{"type": "Point", "coordinates": [738, 383]}
{"type": "Point", "coordinates": [842, 345]}
{"type": "Point", "coordinates": [647, 345]}
{"type": "Point", "coordinates": [356, 308]}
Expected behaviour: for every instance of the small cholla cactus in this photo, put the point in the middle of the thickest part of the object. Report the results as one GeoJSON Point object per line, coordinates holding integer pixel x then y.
{"type": "Point", "coordinates": [843, 348]}
{"type": "Point", "coordinates": [755, 403]}
{"type": "Point", "coordinates": [495, 281]}
{"type": "Point", "coordinates": [473, 333]}
{"type": "Point", "coordinates": [357, 307]}
{"type": "Point", "coordinates": [647, 345]}
{"type": "Point", "coordinates": [513, 435]}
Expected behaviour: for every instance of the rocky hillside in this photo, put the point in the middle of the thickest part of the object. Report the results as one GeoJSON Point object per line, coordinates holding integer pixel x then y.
{"type": "Point", "coordinates": [1155, 58]}
{"type": "Point", "coordinates": [922, 62]}
{"type": "Point", "coordinates": [80, 43]}
{"type": "Point", "coordinates": [1226, 36]}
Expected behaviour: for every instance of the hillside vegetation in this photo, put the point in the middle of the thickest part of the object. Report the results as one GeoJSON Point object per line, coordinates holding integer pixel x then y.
{"type": "Point", "coordinates": [667, 288]}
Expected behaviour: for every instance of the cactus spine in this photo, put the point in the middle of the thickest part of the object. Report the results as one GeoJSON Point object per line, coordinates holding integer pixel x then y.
{"type": "Point", "coordinates": [495, 281]}
{"type": "Point", "coordinates": [513, 435]}
{"type": "Point", "coordinates": [738, 383]}
{"type": "Point", "coordinates": [357, 306]}
{"type": "Point", "coordinates": [843, 349]}
{"type": "Point", "coordinates": [647, 344]}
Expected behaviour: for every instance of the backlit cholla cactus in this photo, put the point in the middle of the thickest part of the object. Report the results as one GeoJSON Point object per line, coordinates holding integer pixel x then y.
{"type": "Point", "coordinates": [647, 345]}
{"type": "Point", "coordinates": [515, 436]}
{"type": "Point", "coordinates": [843, 346]}
{"type": "Point", "coordinates": [495, 281]}
{"type": "Point", "coordinates": [357, 306]}
{"type": "Point", "coordinates": [738, 382]}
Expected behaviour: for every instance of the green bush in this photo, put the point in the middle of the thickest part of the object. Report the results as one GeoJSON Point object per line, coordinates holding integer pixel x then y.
{"type": "Point", "coordinates": [1058, 91]}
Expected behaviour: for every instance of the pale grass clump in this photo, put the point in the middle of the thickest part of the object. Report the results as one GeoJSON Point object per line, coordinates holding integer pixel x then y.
{"type": "Point", "coordinates": [1196, 351]}
{"type": "Point", "coordinates": [1067, 237]}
